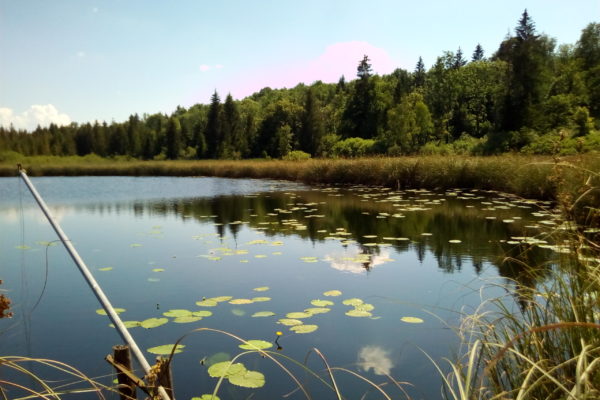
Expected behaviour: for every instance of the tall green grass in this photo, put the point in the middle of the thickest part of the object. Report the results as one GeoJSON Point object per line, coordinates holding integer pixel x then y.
{"type": "Point", "coordinates": [549, 347]}
{"type": "Point", "coordinates": [526, 176]}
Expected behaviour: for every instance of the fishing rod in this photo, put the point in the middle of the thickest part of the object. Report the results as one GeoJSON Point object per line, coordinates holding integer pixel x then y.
{"type": "Point", "coordinates": [91, 281]}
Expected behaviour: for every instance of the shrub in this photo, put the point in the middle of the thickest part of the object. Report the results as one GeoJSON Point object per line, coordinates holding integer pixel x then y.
{"type": "Point", "coordinates": [296, 155]}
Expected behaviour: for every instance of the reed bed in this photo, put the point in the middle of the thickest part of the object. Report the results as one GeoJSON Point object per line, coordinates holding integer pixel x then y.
{"type": "Point", "coordinates": [526, 176]}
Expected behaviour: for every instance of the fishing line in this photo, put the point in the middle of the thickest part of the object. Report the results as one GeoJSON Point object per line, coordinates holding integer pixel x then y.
{"type": "Point", "coordinates": [46, 277]}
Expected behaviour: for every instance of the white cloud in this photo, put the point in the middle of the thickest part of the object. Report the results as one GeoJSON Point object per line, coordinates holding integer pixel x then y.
{"type": "Point", "coordinates": [29, 119]}
{"type": "Point", "coordinates": [356, 262]}
{"type": "Point", "coordinates": [218, 66]}
{"type": "Point", "coordinates": [376, 358]}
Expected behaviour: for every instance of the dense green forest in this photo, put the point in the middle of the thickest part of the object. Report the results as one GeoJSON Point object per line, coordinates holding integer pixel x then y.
{"type": "Point", "coordinates": [528, 96]}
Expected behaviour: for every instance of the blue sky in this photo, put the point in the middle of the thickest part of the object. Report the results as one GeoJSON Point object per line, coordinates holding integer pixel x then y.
{"type": "Point", "coordinates": [86, 60]}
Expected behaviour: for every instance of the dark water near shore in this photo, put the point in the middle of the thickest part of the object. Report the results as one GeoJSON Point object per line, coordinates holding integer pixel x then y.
{"type": "Point", "coordinates": [159, 244]}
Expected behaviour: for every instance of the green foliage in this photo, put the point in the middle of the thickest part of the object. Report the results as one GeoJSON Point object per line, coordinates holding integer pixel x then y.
{"type": "Point", "coordinates": [524, 92]}
{"type": "Point", "coordinates": [296, 155]}
{"type": "Point", "coordinates": [353, 147]}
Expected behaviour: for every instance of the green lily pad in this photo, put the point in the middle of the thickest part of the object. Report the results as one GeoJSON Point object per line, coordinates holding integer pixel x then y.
{"type": "Point", "coordinates": [220, 299]}
{"type": "Point", "coordinates": [261, 289]}
{"type": "Point", "coordinates": [321, 303]}
{"type": "Point", "coordinates": [296, 315]}
{"type": "Point", "coordinates": [304, 328]}
{"type": "Point", "coordinates": [454, 241]}
{"type": "Point", "coordinates": [358, 313]}
{"type": "Point", "coordinates": [365, 307]}
{"type": "Point", "coordinates": [101, 311]}
{"type": "Point", "coordinates": [105, 269]}
{"type": "Point", "coordinates": [135, 245]}
{"type": "Point", "coordinates": [256, 345]}
{"type": "Point", "coordinates": [153, 280]}
{"type": "Point", "coordinates": [23, 247]}
{"type": "Point", "coordinates": [186, 320]}
{"type": "Point", "coordinates": [309, 259]}
{"type": "Point", "coordinates": [289, 322]}
{"type": "Point", "coordinates": [177, 313]}
{"type": "Point", "coordinates": [206, 303]}
{"type": "Point", "coordinates": [251, 379]}
{"type": "Point", "coordinates": [263, 314]}
{"type": "Point", "coordinates": [165, 349]}
{"type": "Point", "coordinates": [352, 302]}
{"type": "Point", "coordinates": [128, 324]}
{"type": "Point", "coordinates": [260, 299]}
{"type": "Point", "coordinates": [158, 270]}
{"type": "Point", "coordinates": [226, 369]}
{"type": "Point", "coordinates": [412, 320]}
{"type": "Point", "coordinates": [153, 322]}
{"type": "Point", "coordinates": [202, 313]}
{"type": "Point", "coordinates": [241, 301]}
{"type": "Point", "coordinates": [332, 293]}
{"type": "Point", "coordinates": [317, 310]}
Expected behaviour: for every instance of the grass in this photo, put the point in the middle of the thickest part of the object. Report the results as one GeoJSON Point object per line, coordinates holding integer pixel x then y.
{"type": "Point", "coordinates": [550, 347]}
{"type": "Point", "coordinates": [526, 176]}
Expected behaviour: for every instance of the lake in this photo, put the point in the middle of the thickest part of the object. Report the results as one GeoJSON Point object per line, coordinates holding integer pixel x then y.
{"type": "Point", "coordinates": [374, 278]}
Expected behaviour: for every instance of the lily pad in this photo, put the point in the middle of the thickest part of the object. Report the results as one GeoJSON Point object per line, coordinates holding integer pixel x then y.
{"type": "Point", "coordinates": [165, 349]}
{"type": "Point", "coordinates": [256, 345]}
{"type": "Point", "coordinates": [454, 241]}
{"type": "Point", "coordinates": [250, 379]}
{"type": "Point", "coordinates": [358, 313]}
{"type": "Point", "coordinates": [263, 314]}
{"type": "Point", "coordinates": [226, 369]}
{"type": "Point", "coordinates": [153, 322]}
{"type": "Point", "coordinates": [365, 307]}
{"type": "Point", "coordinates": [178, 313]}
{"type": "Point", "coordinates": [238, 312]}
{"type": "Point", "coordinates": [202, 313]}
{"type": "Point", "coordinates": [23, 247]}
{"type": "Point", "coordinates": [412, 320]}
{"type": "Point", "coordinates": [261, 289]}
{"type": "Point", "coordinates": [321, 303]}
{"type": "Point", "coordinates": [206, 397]}
{"type": "Point", "coordinates": [158, 270]}
{"type": "Point", "coordinates": [217, 358]}
{"type": "Point", "coordinates": [220, 298]}
{"type": "Point", "coordinates": [128, 324]}
{"type": "Point", "coordinates": [101, 311]}
{"type": "Point", "coordinates": [296, 315]}
{"type": "Point", "coordinates": [260, 299]}
{"type": "Point", "coordinates": [105, 269]}
{"type": "Point", "coordinates": [206, 303]}
{"type": "Point", "coordinates": [241, 301]}
{"type": "Point", "coordinates": [317, 310]}
{"type": "Point", "coordinates": [332, 293]}
{"type": "Point", "coordinates": [135, 245]}
{"type": "Point", "coordinates": [289, 322]}
{"type": "Point", "coordinates": [304, 328]}
{"type": "Point", "coordinates": [352, 302]}
{"type": "Point", "coordinates": [186, 319]}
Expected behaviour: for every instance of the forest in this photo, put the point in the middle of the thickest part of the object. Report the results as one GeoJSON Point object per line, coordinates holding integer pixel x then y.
{"type": "Point", "coordinates": [529, 96]}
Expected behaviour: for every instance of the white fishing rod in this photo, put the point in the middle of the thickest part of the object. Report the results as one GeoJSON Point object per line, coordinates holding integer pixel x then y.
{"type": "Point", "coordinates": [91, 281]}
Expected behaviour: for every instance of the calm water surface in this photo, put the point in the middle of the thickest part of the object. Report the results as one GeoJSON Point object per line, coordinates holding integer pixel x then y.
{"type": "Point", "coordinates": [158, 244]}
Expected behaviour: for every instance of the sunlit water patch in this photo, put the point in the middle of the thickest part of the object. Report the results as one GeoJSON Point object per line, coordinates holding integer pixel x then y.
{"type": "Point", "coordinates": [368, 276]}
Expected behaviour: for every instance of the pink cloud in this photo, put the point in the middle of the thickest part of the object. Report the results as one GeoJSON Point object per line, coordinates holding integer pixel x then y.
{"type": "Point", "coordinates": [337, 60]}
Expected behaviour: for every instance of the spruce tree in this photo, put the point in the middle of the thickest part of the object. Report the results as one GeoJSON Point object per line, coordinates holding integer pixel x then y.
{"type": "Point", "coordinates": [173, 136]}
{"type": "Point", "coordinates": [312, 125]}
{"type": "Point", "coordinates": [360, 115]}
{"type": "Point", "coordinates": [459, 60]}
{"type": "Point", "coordinates": [478, 53]}
{"type": "Point", "coordinates": [419, 74]}
{"type": "Point", "coordinates": [213, 130]}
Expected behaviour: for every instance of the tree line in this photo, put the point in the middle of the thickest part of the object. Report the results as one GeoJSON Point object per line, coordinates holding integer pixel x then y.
{"type": "Point", "coordinates": [528, 96]}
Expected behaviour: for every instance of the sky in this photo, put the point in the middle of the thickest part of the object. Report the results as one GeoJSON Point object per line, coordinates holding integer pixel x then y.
{"type": "Point", "coordinates": [66, 61]}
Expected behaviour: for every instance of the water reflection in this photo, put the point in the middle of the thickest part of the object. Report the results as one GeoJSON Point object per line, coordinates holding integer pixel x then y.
{"type": "Point", "coordinates": [375, 358]}
{"type": "Point", "coordinates": [366, 221]}
{"type": "Point", "coordinates": [5, 306]}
